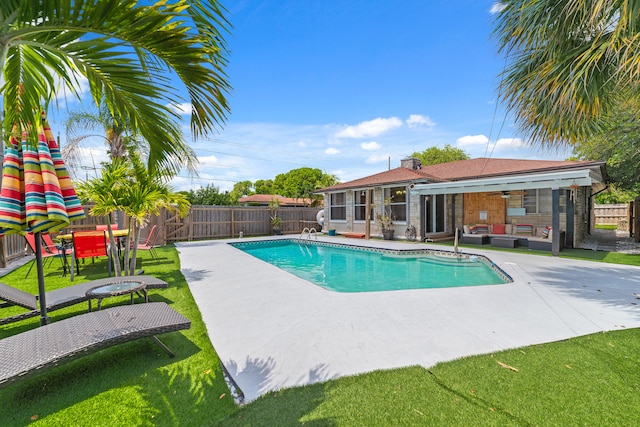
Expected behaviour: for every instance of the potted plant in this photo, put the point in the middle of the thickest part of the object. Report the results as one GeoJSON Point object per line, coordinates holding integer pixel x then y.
{"type": "Point", "coordinates": [385, 221]}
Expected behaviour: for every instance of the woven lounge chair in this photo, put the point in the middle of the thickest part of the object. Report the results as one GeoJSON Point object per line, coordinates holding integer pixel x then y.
{"type": "Point", "coordinates": [63, 297]}
{"type": "Point", "coordinates": [29, 353]}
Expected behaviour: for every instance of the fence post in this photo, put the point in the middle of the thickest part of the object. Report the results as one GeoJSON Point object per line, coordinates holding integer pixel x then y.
{"type": "Point", "coordinates": [3, 258]}
{"type": "Point", "coordinates": [630, 216]}
{"type": "Point", "coordinates": [636, 219]}
{"type": "Point", "coordinates": [233, 222]}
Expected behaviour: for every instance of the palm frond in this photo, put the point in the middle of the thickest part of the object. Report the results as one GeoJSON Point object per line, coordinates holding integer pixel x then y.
{"type": "Point", "coordinates": [128, 53]}
{"type": "Point", "coordinates": [566, 63]}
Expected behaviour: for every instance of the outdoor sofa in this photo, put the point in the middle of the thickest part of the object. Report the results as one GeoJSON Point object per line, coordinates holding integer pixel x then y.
{"type": "Point", "coordinates": [62, 297]}
{"type": "Point", "coordinates": [29, 353]}
{"type": "Point", "coordinates": [529, 235]}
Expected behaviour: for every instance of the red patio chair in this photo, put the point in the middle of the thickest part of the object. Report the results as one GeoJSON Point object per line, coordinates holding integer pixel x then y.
{"type": "Point", "coordinates": [88, 244]}
{"type": "Point", "coordinates": [47, 251]}
{"type": "Point", "coordinates": [150, 243]}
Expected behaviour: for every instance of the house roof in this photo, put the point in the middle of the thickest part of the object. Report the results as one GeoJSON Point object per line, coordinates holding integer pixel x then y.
{"type": "Point", "coordinates": [393, 176]}
{"type": "Point", "coordinates": [486, 167]}
{"type": "Point", "coordinates": [264, 199]}
{"type": "Point", "coordinates": [462, 170]}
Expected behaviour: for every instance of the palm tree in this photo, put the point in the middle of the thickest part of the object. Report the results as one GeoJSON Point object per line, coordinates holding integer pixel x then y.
{"type": "Point", "coordinates": [131, 187]}
{"type": "Point", "coordinates": [568, 64]}
{"type": "Point", "coordinates": [105, 193]}
{"type": "Point", "coordinates": [146, 195]}
{"type": "Point", "coordinates": [130, 53]}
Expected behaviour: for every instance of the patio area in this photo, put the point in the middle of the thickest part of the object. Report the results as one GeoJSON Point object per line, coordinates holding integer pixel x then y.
{"type": "Point", "coordinates": [274, 330]}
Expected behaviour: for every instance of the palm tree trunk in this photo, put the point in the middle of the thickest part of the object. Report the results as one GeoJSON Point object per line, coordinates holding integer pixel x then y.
{"type": "Point", "coordinates": [134, 250]}
{"type": "Point", "coordinates": [113, 248]}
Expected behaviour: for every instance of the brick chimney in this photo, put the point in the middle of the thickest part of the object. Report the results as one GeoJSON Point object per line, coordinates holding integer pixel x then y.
{"type": "Point", "coordinates": [411, 163]}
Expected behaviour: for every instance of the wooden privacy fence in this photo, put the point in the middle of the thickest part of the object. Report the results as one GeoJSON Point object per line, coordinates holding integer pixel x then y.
{"type": "Point", "coordinates": [614, 214]}
{"type": "Point", "coordinates": [215, 222]}
{"type": "Point", "coordinates": [203, 222]}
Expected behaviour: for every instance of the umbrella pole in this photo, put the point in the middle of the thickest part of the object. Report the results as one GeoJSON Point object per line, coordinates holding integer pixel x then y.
{"type": "Point", "coordinates": [44, 319]}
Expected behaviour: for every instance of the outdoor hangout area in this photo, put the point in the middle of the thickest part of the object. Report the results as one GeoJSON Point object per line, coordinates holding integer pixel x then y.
{"type": "Point", "coordinates": [414, 384]}
{"type": "Point", "coordinates": [214, 214]}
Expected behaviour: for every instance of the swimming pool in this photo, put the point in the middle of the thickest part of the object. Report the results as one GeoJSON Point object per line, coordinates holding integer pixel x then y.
{"type": "Point", "coordinates": [346, 268]}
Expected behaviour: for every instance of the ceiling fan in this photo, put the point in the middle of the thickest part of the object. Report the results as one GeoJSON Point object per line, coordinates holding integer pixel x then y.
{"type": "Point", "coordinates": [505, 194]}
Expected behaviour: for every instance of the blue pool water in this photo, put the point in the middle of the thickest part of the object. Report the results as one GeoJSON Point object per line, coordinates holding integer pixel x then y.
{"type": "Point", "coordinates": [352, 269]}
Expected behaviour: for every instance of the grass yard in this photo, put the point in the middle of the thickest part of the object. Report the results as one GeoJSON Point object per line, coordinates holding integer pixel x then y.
{"type": "Point", "coordinates": [590, 380]}
{"type": "Point", "coordinates": [132, 384]}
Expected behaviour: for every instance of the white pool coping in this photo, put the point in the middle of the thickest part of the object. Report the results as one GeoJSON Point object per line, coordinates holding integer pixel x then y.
{"type": "Point", "coordinates": [273, 330]}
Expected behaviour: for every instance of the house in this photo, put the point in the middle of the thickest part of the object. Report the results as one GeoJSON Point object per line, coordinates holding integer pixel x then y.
{"type": "Point", "coordinates": [265, 199]}
{"type": "Point", "coordinates": [436, 200]}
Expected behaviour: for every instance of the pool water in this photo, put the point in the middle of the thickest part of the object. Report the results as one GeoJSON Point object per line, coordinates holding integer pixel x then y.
{"type": "Point", "coordinates": [350, 269]}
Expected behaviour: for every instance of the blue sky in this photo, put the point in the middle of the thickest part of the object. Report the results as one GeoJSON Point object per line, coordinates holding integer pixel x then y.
{"type": "Point", "coordinates": [350, 87]}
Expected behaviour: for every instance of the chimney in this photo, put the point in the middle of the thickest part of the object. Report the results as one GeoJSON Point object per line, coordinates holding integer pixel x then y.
{"type": "Point", "coordinates": [411, 163]}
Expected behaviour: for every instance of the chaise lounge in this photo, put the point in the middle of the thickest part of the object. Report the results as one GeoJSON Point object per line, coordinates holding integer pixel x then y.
{"type": "Point", "coordinates": [29, 353]}
{"type": "Point", "coordinates": [63, 297]}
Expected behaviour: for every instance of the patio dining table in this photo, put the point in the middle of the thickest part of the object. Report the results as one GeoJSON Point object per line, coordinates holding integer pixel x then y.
{"type": "Point", "coordinates": [66, 240]}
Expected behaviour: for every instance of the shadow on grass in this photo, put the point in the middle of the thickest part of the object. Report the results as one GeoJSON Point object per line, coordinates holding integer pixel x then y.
{"type": "Point", "coordinates": [105, 371]}
{"type": "Point", "coordinates": [285, 408]}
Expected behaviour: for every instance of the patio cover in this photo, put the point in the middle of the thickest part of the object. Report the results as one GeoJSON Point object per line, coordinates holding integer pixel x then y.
{"type": "Point", "coordinates": [555, 180]}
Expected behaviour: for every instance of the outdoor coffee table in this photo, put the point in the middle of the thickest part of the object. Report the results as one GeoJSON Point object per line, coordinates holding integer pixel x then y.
{"type": "Point", "coordinates": [505, 242]}
{"type": "Point", "coordinates": [116, 289]}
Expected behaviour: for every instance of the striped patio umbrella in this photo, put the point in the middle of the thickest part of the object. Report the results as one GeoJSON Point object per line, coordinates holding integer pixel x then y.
{"type": "Point", "coordinates": [37, 194]}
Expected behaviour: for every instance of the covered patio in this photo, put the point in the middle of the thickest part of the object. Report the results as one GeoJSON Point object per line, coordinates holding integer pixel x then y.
{"type": "Point", "coordinates": [576, 187]}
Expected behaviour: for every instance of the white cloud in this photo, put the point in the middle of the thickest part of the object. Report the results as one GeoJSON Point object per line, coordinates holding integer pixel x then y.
{"type": "Point", "coordinates": [182, 109]}
{"type": "Point", "coordinates": [370, 146]}
{"type": "Point", "coordinates": [68, 94]}
{"type": "Point", "coordinates": [331, 151]}
{"type": "Point", "coordinates": [208, 160]}
{"type": "Point", "coordinates": [416, 120]}
{"type": "Point", "coordinates": [378, 158]}
{"type": "Point", "coordinates": [370, 128]}
{"type": "Point", "coordinates": [509, 144]}
{"type": "Point", "coordinates": [497, 7]}
{"type": "Point", "coordinates": [471, 140]}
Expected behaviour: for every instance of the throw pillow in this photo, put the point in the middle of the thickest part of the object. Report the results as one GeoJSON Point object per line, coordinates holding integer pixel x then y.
{"type": "Point", "coordinates": [545, 232]}
{"type": "Point", "coordinates": [482, 229]}
{"type": "Point", "coordinates": [498, 228]}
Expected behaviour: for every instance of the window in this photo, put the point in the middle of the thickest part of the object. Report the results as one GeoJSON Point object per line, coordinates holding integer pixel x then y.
{"type": "Point", "coordinates": [540, 201]}
{"type": "Point", "coordinates": [338, 206]}
{"type": "Point", "coordinates": [360, 205]}
{"type": "Point", "coordinates": [397, 198]}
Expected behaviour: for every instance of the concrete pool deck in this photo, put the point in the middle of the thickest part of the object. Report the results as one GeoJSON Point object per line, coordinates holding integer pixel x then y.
{"type": "Point", "coordinates": [273, 330]}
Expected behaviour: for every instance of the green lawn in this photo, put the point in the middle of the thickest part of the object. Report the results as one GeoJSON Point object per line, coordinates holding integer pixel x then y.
{"type": "Point", "coordinates": [590, 380]}
{"type": "Point", "coordinates": [131, 384]}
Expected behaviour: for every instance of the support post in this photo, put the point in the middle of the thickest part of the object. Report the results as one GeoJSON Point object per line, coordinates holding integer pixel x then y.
{"type": "Point", "coordinates": [555, 221]}
{"type": "Point", "coordinates": [367, 224]}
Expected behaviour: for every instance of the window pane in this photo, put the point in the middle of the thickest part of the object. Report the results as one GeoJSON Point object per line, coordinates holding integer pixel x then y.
{"type": "Point", "coordinates": [529, 201]}
{"type": "Point", "coordinates": [399, 212]}
{"type": "Point", "coordinates": [338, 198]}
{"type": "Point", "coordinates": [544, 201]}
{"type": "Point", "coordinates": [339, 212]}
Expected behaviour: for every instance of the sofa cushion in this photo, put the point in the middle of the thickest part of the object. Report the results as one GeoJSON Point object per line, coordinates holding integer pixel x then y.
{"type": "Point", "coordinates": [508, 229]}
{"type": "Point", "coordinates": [524, 229]}
{"type": "Point", "coordinates": [480, 229]}
{"type": "Point", "coordinates": [466, 229]}
{"type": "Point", "coordinates": [499, 228]}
